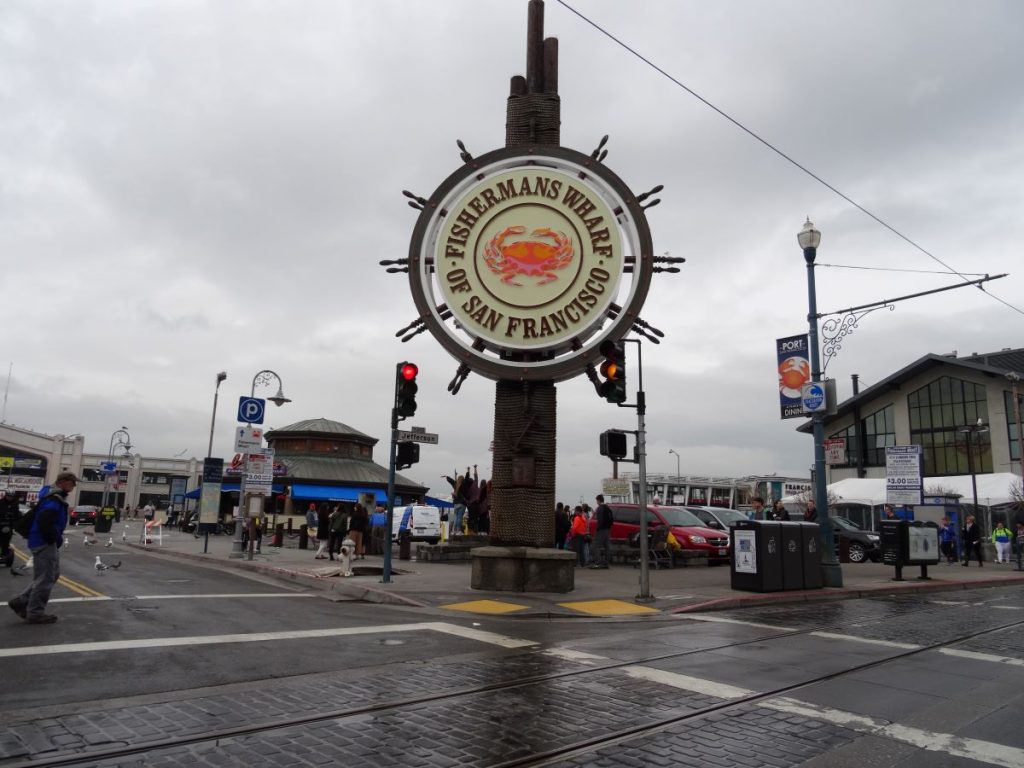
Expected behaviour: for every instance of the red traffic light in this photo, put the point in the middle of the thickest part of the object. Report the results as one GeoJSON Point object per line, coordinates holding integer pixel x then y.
{"type": "Point", "coordinates": [408, 371]}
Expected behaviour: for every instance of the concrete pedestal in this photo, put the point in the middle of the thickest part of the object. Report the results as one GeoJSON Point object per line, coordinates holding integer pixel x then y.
{"type": "Point", "coordinates": [523, 569]}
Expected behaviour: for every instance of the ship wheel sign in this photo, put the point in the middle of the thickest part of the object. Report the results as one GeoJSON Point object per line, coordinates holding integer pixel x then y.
{"type": "Point", "coordinates": [525, 259]}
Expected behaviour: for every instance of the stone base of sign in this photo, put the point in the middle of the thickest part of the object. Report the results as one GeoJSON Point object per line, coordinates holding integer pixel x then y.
{"type": "Point", "coordinates": [523, 569]}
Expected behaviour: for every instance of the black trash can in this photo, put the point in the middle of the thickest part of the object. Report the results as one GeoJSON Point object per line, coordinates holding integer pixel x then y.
{"type": "Point", "coordinates": [810, 534]}
{"type": "Point", "coordinates": [756, 556]}
{"type": "Point", "coordinates": [303, 537]}
{"type": "Point", "coordinates": [792, 556]}
{"type": "Point", "coordinates": [404, 544]}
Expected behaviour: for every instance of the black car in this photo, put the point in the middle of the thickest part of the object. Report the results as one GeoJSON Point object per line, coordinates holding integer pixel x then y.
{"type": "Point", "coordinates": [863, 545]}
{"type": "Point", "coordinates": [83, 514]}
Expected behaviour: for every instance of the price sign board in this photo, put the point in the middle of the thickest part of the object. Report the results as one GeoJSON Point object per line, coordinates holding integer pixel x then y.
{"type": "Point", "coordinates": [259, 473]}
{"type": "Point", "coordinates": [904, 480]}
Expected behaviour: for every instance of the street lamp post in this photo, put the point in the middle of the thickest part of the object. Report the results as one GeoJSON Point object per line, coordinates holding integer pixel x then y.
{"type": "Point", "coordinates": [831, 573]}
{"type": "Point", "coordinates": [123, 440]}
{"type": "Point", "coordinates": [1014, 379]}
{"type": "Point", "coordinates": [673, 450]}
{"type": "Point", "coordinates": [213, 420]}
{"type": "Point", "coordinates": [974, 430]}
{"type": "Point", "coordinates": [263, 377]}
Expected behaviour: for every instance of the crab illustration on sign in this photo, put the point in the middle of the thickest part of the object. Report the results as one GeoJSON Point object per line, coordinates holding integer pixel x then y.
{"type": "Point", "coordinates": [531, 258]}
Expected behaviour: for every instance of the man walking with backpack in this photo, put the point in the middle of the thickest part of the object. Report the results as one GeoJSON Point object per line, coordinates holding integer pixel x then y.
{"type": "Point", "coordinates": [45, 535]}
{"type": "Point", "coordinates": [602, 535]}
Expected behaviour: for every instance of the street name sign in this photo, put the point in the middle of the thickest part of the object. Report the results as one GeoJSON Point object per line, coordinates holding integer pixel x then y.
{"type": "Point", "coordinates": [406, 436]}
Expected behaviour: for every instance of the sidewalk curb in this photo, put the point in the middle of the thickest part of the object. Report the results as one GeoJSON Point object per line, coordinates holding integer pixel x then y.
{"type": "Point", "coordinates": [343, 587]}
{"type": "Point", "coordinates": [750, 600]}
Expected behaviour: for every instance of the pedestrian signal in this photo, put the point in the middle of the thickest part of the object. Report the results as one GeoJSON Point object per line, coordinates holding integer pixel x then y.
{"type": "Point", "coordinates": [613, 444]}
{"type": "Point", "coordinates": [408, 454]}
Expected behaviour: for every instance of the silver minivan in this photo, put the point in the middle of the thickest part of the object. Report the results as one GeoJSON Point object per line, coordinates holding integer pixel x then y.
{"type": "Point", "coordinates": [423, 521]}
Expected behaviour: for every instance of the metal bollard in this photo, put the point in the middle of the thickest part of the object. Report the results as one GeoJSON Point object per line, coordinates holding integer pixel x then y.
{"type": "Point", "coordinates": [278, 536]}
{"type": "Point", "coordinates": [289, 526]}
{"type": "Point", "coordinates": [404, 545]}
{"type": "Point", "coordinates": [303, 537]}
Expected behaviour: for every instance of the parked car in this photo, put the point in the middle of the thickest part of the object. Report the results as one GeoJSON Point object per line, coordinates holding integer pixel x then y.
{"type": "Point", "coordinates": [424, 522]}
{"type": "Point", "coordinates": [83, 514]}
{"type": "Point", "coordinates": [685, 527]}
{"type": "Point", "coordinates": [719, 518]}
{"type": "Point", "coordinates": [863, 545]}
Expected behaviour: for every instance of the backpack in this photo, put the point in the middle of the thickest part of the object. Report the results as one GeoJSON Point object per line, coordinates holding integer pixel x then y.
{"type": "Point", "coordinates": [23, 525]}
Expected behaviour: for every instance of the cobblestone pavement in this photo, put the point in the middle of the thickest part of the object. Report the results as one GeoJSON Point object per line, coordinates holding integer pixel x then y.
{"type": "Point", "coordinates": [519, 706]}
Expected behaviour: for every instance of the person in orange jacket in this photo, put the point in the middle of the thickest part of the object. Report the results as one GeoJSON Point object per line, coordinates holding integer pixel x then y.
{"type": "Point", "coordinates": [579, 533]}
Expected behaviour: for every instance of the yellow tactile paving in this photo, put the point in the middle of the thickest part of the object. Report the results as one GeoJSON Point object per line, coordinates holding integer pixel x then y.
{"type": "Point", "coordinates": [486, 606]}
{"type": "Point", "coordinates": [609, 608]}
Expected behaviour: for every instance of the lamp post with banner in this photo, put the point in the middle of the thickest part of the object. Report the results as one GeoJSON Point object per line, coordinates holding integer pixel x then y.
{"type": "Point", "coordinates": [831, 573]}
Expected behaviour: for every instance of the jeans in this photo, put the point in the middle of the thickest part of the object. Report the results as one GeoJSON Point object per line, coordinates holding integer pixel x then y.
{"type": "Point", "coordinates": [45, 572]}
{"type": "Point", "coordinates": [460, 512]}
{"type": "Point", "coordinates": [602, 553]}
{"type": "Point", "coordinates": [579, 546]}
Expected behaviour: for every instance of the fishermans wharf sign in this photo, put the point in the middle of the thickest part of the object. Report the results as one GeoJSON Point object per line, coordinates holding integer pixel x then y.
{"type": "Point", "coordinates": [522, 262]}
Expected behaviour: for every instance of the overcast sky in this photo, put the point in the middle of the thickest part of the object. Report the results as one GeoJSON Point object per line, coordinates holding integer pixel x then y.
{"type": "Point", "coordinates": [190, 187]}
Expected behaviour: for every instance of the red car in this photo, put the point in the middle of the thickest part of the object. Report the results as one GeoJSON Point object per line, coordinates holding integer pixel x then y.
{"type": "Point", "coordinates": [686, 528]}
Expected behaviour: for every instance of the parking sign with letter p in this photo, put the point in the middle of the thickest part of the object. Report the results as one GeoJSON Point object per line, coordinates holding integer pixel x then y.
{"type": "Point", "coordinates": [250, 409]}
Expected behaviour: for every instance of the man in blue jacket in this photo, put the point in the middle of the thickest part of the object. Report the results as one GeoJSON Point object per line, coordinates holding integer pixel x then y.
{"type": "Point", "coordinates": [44, 540]}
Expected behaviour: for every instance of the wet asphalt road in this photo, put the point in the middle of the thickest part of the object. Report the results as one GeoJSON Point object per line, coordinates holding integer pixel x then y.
{"type": "Point", "coordinates": [189, 651]}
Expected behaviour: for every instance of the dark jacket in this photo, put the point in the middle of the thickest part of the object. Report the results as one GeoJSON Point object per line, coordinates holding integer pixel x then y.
{"type": "Point", "coordinates": [9, 513]}
{"type": "Point", "coordinates": [51, 519]}
{"type": "Point", "coordinates": [562, 525]}
{"type": "Point", "coordinates": [972, 534]}
{"type": "Point", "coordinates": [604, 516]}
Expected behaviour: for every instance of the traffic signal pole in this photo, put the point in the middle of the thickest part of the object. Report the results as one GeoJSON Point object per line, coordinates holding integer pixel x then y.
{"type": "Point", "coordinates": [404, 407]}
{"type": "Point", "coordinates": [386, 575]}
{"type": "Point", "coordinates": [614, 390]}
{"type": "Point", "coordinates": [641, 450]}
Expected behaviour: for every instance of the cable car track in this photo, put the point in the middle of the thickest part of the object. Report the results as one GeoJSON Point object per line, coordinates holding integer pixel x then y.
{"type": "Point", "coordinates": [582, 746]}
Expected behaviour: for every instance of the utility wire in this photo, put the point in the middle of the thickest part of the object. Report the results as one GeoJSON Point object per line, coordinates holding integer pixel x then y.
{"type": "Point", "coordinates": [779, 152]}
{"type": "Point", "coordinates": [895, 269]}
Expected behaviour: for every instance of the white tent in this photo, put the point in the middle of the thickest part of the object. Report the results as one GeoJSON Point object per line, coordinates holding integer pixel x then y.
{"type": "Point", "coordinates": [993, 489]}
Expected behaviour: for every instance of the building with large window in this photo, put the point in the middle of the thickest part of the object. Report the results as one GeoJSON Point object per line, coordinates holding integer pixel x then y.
{"type": "Point", "coordinates": [936, 402]}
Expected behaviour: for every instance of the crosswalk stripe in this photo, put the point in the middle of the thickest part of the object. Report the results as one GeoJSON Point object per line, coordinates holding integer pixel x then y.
{"type": "Point", "coordinates": [261, 637]}
{"type": "Point", "coordinates": [971, 749]}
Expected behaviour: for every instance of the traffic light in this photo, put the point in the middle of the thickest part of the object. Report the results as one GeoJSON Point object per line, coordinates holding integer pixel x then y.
{"type": "Point", "coordinates": [613, 444]}
{"type": "Point", "coordinates": [613, 369]}
{"type": "Point", "coordinates": [405, 389]}
{"type": "Point", "coordinates": [408, 454]}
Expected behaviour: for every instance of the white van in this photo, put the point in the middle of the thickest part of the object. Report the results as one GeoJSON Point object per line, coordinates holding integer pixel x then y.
{"type": "Point", "coordinates": [423, 521]}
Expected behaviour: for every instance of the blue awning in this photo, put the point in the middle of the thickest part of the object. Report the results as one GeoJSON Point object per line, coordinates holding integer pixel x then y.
{"type": "Point", "coordinates": [195, 493]}
{"type": "Point", "coordinates": [440, 503]}
{"type": "Point", "coordinates": [336, 493]}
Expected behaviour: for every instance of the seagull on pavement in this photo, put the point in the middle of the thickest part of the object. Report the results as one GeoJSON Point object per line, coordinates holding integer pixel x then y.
{"type": "Point", "coordinates": [101, 566]}
{"type": "Point", "coordinates": [110, 542]}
